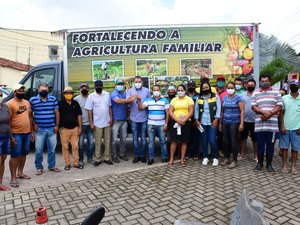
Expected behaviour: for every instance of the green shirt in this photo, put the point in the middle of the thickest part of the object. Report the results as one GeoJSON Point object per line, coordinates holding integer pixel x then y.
{"type": "Point", "coordinates": [240, 92]}
{"type": "Point", "coordinates": [291, 108]}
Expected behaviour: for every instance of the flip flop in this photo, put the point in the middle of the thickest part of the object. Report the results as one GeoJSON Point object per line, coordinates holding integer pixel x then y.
{"type": "Point", "coordinates": [14, 184]}
{"type": "Point", "coordinates": [25, 177]}
{"type": "Point", "coordinates": [39, 172]}
{"type": "Point", "coordinates": [4, 188]}
{"type": "Point", "coordinates": [67, 167]}
{"type": "Point", "coordinates": [285, 171]}
{"type": "Point", "coordinates": [170, 164]}
{"type": "Point", "coordinates": [294, 172]}
{"type": "Point", "coordinates": [55, 169]}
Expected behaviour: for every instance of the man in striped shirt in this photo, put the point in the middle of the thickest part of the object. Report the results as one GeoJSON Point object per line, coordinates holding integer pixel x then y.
{"type": "Point", "coordinates": [46, 125]}
{"type": "Point", "coordinates": [266, 102]}
{"type": "Point", "coordinates": [158, 117]}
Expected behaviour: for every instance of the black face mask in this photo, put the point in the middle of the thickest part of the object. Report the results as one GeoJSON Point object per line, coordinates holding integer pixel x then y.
{"type": "Point", "coordinates": [251, 89]}
{"type": "Point", "coordinates": [20, 95]}
{"type": "Point", "coordinates": [43, 94]}
{"type": "Point", "coordinates": [99, 90]}
{"type": "Point", "coordinates": [172, 96]}
{"type": "Point", "coordinates": [191, 89]}
{"type": "Point", "coordinates": [85, 92]}
{"type": "Point", "coordinates": [205, 92]}
{"type": "Point", "coordinates": [294, 89]}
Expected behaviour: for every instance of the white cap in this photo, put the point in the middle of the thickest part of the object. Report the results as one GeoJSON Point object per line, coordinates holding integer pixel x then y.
{"type": "Point", "coordinates": [17, 87]}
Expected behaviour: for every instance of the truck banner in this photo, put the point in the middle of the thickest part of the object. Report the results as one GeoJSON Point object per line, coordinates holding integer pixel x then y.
{"type": "Point", "coordinates": [195, 51]}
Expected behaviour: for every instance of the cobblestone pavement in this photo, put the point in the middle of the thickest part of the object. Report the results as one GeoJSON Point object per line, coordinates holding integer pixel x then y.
{"type": "Point", "coordinates": [157, 195]}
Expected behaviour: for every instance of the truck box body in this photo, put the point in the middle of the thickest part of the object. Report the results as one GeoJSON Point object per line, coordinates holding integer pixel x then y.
{"type": "Point", "coordinates": [192, 51]}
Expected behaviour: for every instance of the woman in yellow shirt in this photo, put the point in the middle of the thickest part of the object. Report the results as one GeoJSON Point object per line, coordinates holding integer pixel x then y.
{"type": "Point", "coordinates": [181, 111]}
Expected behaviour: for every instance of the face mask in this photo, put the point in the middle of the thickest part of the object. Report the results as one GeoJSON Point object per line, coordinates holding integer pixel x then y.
{"type": "Point", "coordinates": [294, 89]}
{"type": "Point", "coordinates": [172, 96]}
{"type": "Point", "coordinates": [20, 95]}
{"type": "Point", "coordinates": [205, 92]}
{"type": "Point", "coordinates": [68, 97]}
{"type": "Point", "coordinates": [43, 94]}
{"type": "Point", "coordinates": [230, 91]}
{"type": "Point", "coordinates": [264, 85]}
{"type": "Point", "coordinates": [84, 92]}
{"type": "Point", "coordinates": [191, 89]}
{"type": "Point", "coordinates": [251, 89]}
{"type": "Point", "coordinates": [220, 83]}
{"type": "Point", "coordinates": [120, 87]}
{"type": "Point", "coordinates": [156, 93]}
{"type": "Point", "coordinates": [1, 99]}
{"type": "Point", "coordinates": [99, 90]}
{"type": "Point", "coordinates": [238, 87]}
{"type": "Point", "coordinates": [180, 93]}
{"type": "Point", "coordinates": [137, 85]}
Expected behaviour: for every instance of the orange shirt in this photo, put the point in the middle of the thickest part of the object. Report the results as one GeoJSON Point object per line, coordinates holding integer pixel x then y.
{"type": "Point", "coordinates": [20, 117]}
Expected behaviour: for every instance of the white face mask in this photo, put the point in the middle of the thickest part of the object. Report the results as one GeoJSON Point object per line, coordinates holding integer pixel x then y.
{"type": "Point", "coordinates": [1, 99]}
{"type": "Point", "coordinates": [230, 91]}
{"type": "Point", "coordinates": [180, 93]}
{"type": "Point", "coordinates": [156, 93]}
{"type": "Point", "coordinates": [137, 85]}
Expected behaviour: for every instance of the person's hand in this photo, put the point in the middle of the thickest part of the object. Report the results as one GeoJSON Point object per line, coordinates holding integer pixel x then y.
{"type": "Point", "coordinates": [214, 124]}
{"type": "Point", "coordinates": [241, 127]}
{"type": "Point", "coordinates": [92, 127]}
{"type": "Point", "coordinates": [35, 127]}
{"type": "Point", "coordinates": [196, 123]}
{"type": "Point", "coordinates": [32, 137]}
{"type": "Point", "coordinates": [283, 130]}
{"type": "Point", "coordinates": [13, 142]}
{"type": "Point", "coordinates": [165, 128]}
{"type": "Point", "coordinates": [298, 132]}
{"type": "Point", "coordinates": [55, 129]}
{"type": "Point", "coordinates": [79, 131]}
{"type": "Point", "coordinates": [110, 122]}
{"type": "Point", "coordinates": [266, 114]}
{"type": "Point", "coordinates": [220, 127]}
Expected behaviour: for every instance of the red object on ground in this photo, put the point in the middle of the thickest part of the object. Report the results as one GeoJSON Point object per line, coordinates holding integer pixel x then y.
{"type": "Point", "coordinates": [41, 216]}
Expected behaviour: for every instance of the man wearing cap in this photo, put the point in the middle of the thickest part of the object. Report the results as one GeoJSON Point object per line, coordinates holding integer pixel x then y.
{"type": "Point", "coordinates": [99, 109]}
{"type": "Point", "coordinates": [290, 126]}
{"type": "Point", "coordinates": [138, 119]}
{"type": "Point", "coordinates": [119, 111]}
{"type": "Point", "coordinates": [21, 133]}
{"type": "Point", "coordinates": [46, 125]}
{"type": "Point", "coordinates": [70, 127]}
{"type": "Point", "coordinates": [193, 149]}
{"type": "Point", "coordinates": [86, 131]}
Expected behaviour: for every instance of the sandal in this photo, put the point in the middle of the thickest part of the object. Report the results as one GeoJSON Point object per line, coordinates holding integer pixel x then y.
{"type": "Point", "coordinates": [39, 172]}
{"type": "Point", "coordinates": [294, 172]}
{"type": "Point", "coordinates": [182, 163]}
{"type": "Point", "coordinates": [24, 176]}
{"type": "Point", "coordinates": [4, 188]}
{"type": "Point", "coordinates": [67, 167]}
{"type": "Point", "coordinates": [285, 170]}
{"type": "Point", "coordinates": [54, 169]}
{"type": "Point", "coordinates": [170, 164]}
{"type": "Point", "coordinates": [14, 184]}
{"type": "Point", "coordinates": [79, 166]}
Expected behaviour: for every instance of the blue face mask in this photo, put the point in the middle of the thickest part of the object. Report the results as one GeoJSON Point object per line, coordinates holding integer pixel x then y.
{"type": "Point", "coordinates": [238, 87]}
{"type": "Point", "coordinates": [221, 83]}
{"type": "Point", "coordinates": [120, 87]}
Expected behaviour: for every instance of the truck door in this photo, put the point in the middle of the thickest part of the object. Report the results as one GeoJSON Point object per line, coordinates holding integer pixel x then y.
{"type": "Point", "coordinates": [39, 76]}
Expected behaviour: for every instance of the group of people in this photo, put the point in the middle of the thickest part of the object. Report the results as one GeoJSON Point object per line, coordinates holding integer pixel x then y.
{"type": "Point", "coordinates": [221, 116]}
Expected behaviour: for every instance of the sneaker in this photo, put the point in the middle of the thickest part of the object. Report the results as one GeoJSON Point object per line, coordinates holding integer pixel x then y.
{"type": "Point", "coordinates": [258, 167]}
{"type": "Point", "coordinates": [124, 158]}
{"type": "Point", "coordinates": [164, 160]}
{"type": "Point", "coordinates": [215, 162]}
{"type": "Point", "coordinates": [116, 160]}
{"type": "Point", "coordinates": [150, 162]}
{"type": "Point", "coordinates": [225, 162]}
{"type": "Point", "coordinates": [91, 161]}
{"type": "Point", "coordinates": [109, 162]}
{"type": "Point", "coordinates": [270, 168]}
{"type": "Point", "coordinates": [232, 165]}
{"type": "Point", "coordinates": [221, 153]}
{"type": "Point", "coordinates": [205, 161]}
{"type": "Point", "coordinates": [143, 160]}
{"type": "Point", "coordinates": [136, 160]}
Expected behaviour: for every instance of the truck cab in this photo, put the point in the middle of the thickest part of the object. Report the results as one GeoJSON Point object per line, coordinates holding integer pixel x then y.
{"type": "Point", "coordinates": [50, 73]}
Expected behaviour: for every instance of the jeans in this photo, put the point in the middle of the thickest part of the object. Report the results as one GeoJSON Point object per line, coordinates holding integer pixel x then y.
{"type": "Point", "coordinates": [158, 131]}
{"type": "Point", "coordinates": [22, 146]}
{"type": "Point", "coordinates": [42, 136]}
{"type": "Point", "coordinates": [119, 126]}
{"type": "Point", "coordinates": [209, 135]}
{"type": "Point", "coordinates": [193, 145]}
{"type": "Point", "coordinates": [87, 132]}
{"type": "Point", "coordinates": [230, 139]}
{"type": "Point", "coordinates": [139, 129]}
{"type": "Point", "coordinates": [4, 144]}
{"type": "Point", "coordinates": [265, 141]}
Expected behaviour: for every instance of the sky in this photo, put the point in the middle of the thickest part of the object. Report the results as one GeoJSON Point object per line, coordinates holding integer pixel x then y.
{"type": "Point", "coordinates": [281, 19]}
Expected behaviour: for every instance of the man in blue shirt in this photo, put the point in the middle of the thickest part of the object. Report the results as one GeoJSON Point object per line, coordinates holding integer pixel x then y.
{"type": "Point", "coordinates": [158, 117]}
{"type": "Point", "coordinates": [46, 125]}
{"type": "Point", "coordinates": [119, 111]}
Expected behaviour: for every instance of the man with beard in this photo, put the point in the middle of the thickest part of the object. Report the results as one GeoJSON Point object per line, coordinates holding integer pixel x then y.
{"type": "Point", "coordinates": [99, 109]}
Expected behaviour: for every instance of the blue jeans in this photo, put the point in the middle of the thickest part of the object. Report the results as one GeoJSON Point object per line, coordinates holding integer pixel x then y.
{"type": "Point", "coordinates": [158, 131]}
{"type": "Point", "coordinates": [42, 136]}
{"type": "Point", "coordinates": [265, 141]}
{"type": "Point", "coordinates": [139, 129]}
{"type": "Point", "coordinates": [119, 127]}
{"type": "Point", "coordinates": [22, 146]}
{"type": "Point", "coordinates": [87, 132]}
{"type": "Point", "coordinates": [4, 144]}
{"type": "Point", "coordinates": [209, 135]}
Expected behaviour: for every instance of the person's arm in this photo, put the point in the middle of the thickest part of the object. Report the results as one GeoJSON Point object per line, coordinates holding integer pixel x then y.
{"type": "Point", "coordinates": [79, 120]}
{"type": "Point", "coordinates": [57, 119]}
{"type": "Point", "coordinates": [221, 118]}
{"type": "Point", "coordinates": [31, 123]}
{"type": "Point", "coordinates": [214, 123]}
{"type": "Point", "coordinates": [282, 127]}
{"type": "Point", "coordinates": [166, 120]}
{"type": "Point", "coordinates": [242, 111]}
{"type": "Point", "coordinates": [12, 139]}
{"type": "Point", "coordinates": [110, 116]}
{"type": "Point", "coordinates": [125, 101]}
{"type": "Point", "coordinates": [90, 113]}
